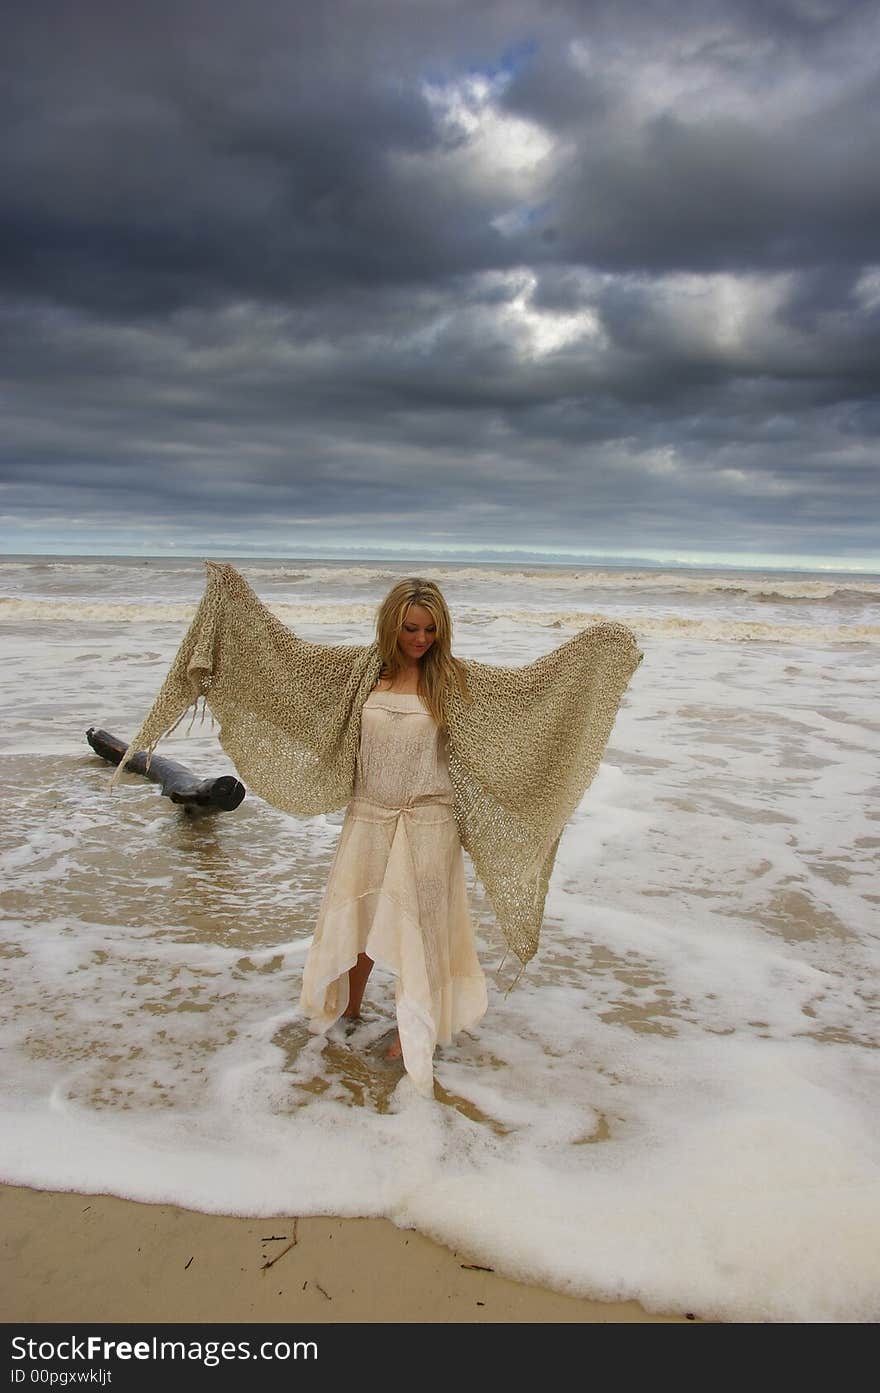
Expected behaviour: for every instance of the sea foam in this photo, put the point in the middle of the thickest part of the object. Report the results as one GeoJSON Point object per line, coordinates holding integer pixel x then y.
{"type": "Point", "coordinates": [677, 1102]}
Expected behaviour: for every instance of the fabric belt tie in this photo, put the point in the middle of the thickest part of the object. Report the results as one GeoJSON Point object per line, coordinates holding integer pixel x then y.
{"type": "Point", "coordinates": [368, 811]}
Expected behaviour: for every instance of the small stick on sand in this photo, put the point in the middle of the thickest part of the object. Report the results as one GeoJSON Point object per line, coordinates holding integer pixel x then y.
{"type": "Point", "coordinates": [292, 1244]}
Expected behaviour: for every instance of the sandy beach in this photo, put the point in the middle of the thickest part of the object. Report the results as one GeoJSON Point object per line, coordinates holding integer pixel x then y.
{"type": "Point", "coordinates": [677, 1103]}
{"type": "Point", "coordinates": [71, 1257]}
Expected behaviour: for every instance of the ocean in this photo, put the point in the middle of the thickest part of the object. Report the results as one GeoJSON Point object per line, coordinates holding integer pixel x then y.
{"type": "Point", "coordinates": [676, 1103]}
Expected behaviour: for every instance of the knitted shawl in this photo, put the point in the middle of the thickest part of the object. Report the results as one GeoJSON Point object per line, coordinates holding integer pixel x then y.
{"type": "Point", "coordinates": [522, 749]}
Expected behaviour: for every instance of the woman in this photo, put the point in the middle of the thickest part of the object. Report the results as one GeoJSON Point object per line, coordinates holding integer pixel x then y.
{"type": "Point", "coordinates": [396, 892]}
{"type": "Point", "coordinates": [386, 730]}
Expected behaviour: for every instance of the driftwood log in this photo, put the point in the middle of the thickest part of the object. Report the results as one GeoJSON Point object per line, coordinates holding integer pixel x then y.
{"type": "Point", "coordinates": [179, 784]}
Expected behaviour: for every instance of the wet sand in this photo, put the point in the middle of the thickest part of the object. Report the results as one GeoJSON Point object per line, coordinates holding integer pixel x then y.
{"type": "Point", "coordinates": [71, 1257]}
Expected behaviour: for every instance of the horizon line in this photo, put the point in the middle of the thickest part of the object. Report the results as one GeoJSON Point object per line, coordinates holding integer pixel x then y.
{"type": "Point", "coordinates": [564, 557]}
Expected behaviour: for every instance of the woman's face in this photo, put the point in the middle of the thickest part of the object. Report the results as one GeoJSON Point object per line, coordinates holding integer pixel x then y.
{"type": "Point", "coordinates": [417, 632]}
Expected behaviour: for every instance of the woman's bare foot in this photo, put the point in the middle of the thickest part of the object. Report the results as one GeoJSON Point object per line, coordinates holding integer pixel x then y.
{"type": "Point", "coordinates": [395, 1049]}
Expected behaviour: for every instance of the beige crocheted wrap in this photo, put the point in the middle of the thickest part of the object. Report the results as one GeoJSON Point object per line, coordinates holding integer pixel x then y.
{"type": "Point", "coordinates": [523, 748]}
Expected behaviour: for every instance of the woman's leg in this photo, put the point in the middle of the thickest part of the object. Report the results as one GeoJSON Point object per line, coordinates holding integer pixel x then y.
{"type": "Point", "coordinates": [357, 981]}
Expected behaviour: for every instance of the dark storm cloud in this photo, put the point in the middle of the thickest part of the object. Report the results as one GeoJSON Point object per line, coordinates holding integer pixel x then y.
{"type": "Point", "coordinates": [174, 164]}
{"type": "Point", "coordinates": [524, 268]}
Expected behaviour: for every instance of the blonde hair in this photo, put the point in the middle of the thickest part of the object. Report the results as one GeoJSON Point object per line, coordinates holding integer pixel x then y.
{"type": "Point", "coordinates": [438, 669]}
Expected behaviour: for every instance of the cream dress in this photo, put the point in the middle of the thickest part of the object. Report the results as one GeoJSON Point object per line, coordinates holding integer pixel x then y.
{"type": "Point", "coordinates": [396, 889]}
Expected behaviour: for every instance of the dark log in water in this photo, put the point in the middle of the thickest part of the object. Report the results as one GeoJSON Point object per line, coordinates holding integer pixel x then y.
{"type": "Point", "coordinates": [179, 784]}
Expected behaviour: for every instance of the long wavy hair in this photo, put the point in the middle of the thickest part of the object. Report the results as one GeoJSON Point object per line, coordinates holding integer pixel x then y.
{"type": "Point", "coordinates": [438, 668]}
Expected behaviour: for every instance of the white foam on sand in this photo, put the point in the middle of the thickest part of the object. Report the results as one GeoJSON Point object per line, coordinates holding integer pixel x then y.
{"type": "Point", "coordinates": [678, 1101]}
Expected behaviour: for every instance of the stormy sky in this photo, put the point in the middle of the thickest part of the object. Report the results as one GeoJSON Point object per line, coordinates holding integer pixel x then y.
{"type": "Point", "coordinates": [477, 277]}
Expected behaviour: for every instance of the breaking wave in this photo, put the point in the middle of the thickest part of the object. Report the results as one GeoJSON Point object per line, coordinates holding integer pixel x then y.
{"type": "Point", "coordinates": [362, 617]}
